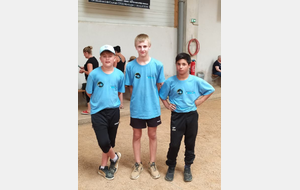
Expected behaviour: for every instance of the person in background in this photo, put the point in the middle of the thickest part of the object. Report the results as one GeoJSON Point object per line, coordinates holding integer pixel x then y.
{"type": "Point", "coordinates": [144, 76]}
{"type": "Point", "coordinates": [90, 65]}
{"type": "Point", "coordinates": [217, 67]}
{"type": "Point", "coordinates": [106, 82]}
{"type": "Point", "coordinates": [120, 63]}
{"type": "Point", "coordinates": [120, 59]}
{"type": "Point", "coordinates": [131, 58]}
{"type": "Point", "coordinates": [185, 93]}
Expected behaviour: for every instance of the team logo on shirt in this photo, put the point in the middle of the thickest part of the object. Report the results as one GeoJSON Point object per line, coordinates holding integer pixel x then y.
{"type": "Point", "coordinates": [137, 75]}
{"type": "Point", "coordinates": [100, 84]}
{"type": "Point", "coordinates": [179, 91]}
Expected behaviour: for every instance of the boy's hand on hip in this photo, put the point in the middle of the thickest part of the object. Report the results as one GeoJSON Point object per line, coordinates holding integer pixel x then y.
{"type": "Point", "coordinates": [172, 107]}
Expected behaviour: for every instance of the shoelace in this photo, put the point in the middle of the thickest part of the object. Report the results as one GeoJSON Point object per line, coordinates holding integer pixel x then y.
{"type": "Point", "coordinates": [136, 167]}
{"type": "Point", "coordinates": [153, 167]}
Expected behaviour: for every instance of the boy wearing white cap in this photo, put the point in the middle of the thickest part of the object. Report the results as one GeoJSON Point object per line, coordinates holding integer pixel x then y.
{"type": "Point", "coordinates": [105, 85]}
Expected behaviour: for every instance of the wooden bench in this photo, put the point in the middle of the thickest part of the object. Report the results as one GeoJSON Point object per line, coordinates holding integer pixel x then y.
{"type": "Point", "coordinates": [80, 90]}
{"type": "Point", "coordinates": [214, 77]}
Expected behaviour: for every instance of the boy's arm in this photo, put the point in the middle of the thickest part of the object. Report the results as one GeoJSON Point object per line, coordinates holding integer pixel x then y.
{"type": "Point", "coordinates": [130, 90]}
{"type": "Point", "coordinates": [163, 95]}
{"type": "Point", "coordinates": [205, 90]}
{"type": "Point", "coordinates": [159, 85]}
{"type": "Point", "coordinates": [89, 95]}
{"type": "Point", "coordinates": [202, 99]}
{"type": "Point", "coordinates": [167, 105]}
{"type": "Point", "coordinates": [121, 99]}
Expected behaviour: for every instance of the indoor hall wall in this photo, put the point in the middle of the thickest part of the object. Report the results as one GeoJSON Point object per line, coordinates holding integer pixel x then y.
{"type": "Point", "coordinates": [100, 24]}
{"type": "Point", "coordinates": [161, 13]}
{"type": "Point", "coordinates": [163, 42]}
{"type": "Point", "coordinates": [207, 30]}
{"type": "Point", "coordinates": [209, 35]}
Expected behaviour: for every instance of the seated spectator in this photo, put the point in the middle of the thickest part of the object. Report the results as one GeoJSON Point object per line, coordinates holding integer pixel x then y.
{"type": "Point", "coordinates": [216, 69]}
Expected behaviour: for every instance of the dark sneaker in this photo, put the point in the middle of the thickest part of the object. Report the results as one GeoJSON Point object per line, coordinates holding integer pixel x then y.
{"type": "Point", "coordinates": [114, 165]}
{"type": "Point", "coordinates": [170, 173]}
{"type": "Point", "coordinates": [106, 173]}
{"type": "Point", "coordinates": [187, 174]}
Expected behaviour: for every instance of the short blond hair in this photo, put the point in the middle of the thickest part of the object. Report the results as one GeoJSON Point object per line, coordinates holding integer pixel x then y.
{"type": "Point", "coordinates": [142, 38]}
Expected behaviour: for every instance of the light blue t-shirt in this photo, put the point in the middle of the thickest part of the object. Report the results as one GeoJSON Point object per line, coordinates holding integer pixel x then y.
{"type": "Point", "coordinates": [104, 89]}
{"type": "Point", "coordinates": [144, 102]}
{"type": "Point", "coordinates": [183, 93]}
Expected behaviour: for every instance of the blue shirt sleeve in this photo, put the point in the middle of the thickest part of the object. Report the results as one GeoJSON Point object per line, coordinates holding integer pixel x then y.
{"type": "Point", "coordinates": [122, 85]}
{"type": "Point", "coordinates": [128, 81]}
{"type": "Point", "coordinates": [161, 76]}
{"type": "Point", "coordinates": [164, 90]}
{"type": "Point", "coordinates": [205, 88]}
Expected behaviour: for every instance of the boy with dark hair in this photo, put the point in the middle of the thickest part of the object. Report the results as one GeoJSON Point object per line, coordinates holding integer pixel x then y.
{"type": "Point", "coordinates": [183, 91]}
{"type": "Point", "coordinates": [106, 82]}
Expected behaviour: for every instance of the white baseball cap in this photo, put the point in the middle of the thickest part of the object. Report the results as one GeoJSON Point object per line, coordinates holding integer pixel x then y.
{"type": "Point", "coordinates": [107, 48]}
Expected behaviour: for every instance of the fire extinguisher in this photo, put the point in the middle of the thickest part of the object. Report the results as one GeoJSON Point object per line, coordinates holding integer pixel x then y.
{"type": "Point", "coordinates": [193, 67]}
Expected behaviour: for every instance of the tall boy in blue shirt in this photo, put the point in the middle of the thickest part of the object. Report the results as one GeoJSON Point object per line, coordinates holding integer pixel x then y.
{"type": "Point", "coordinates": [144, 76]}
{"type": "Point", "coordinates": [105, 85]}
{"type": "Point", "coordinates": [184, 91]}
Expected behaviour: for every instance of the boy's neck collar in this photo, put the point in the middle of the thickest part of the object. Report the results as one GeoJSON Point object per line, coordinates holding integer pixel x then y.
{"type": "Point", "coordinates": [143, 60]}
{"type": "Point", "coordinates": [182, 77]}
{"type": "Point", "coordinates": [108, 70]}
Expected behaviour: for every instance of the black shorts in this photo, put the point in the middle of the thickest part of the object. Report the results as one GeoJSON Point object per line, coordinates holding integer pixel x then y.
{"type": "Point", "coordinates": [141, 123]}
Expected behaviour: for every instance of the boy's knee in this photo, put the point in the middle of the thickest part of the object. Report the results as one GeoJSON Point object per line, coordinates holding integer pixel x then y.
{"type": "Point", "coordinates": [152, 136]}
{"type": "Point", "coordinates": [137, 136]}
{"type": "Point", "coordinates": [105, 146]}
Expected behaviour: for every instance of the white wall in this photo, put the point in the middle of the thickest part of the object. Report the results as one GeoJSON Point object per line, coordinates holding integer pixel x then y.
{"type": "Point", "coordinates": [207, 30]}
{"type": "Point", "coordinates": [161, 13]}
{"type": "Point", "coordinates": [100, 24]}
{"type": "Point", "coordinates": [209, 35]}
{"type": "Point", "coordinates": [163, 40]}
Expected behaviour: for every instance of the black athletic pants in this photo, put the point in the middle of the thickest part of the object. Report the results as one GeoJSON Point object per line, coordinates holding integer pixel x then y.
{"type": "Point", "coordinates": [105, 124]}
{"type": "Point", "coordinates": [182, 124]}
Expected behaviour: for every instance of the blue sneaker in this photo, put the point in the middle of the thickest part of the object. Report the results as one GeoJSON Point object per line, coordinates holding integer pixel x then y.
{"type": "Point", "coordinates": [114, 165]}
{"type": "Point", "coordinates": [106, 173]}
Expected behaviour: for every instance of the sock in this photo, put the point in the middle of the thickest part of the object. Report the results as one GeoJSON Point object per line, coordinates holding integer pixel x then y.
{"type": "Point", "coordinates": [101, 167]}
{"type": "Point", "coordinates": [115, 158]}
